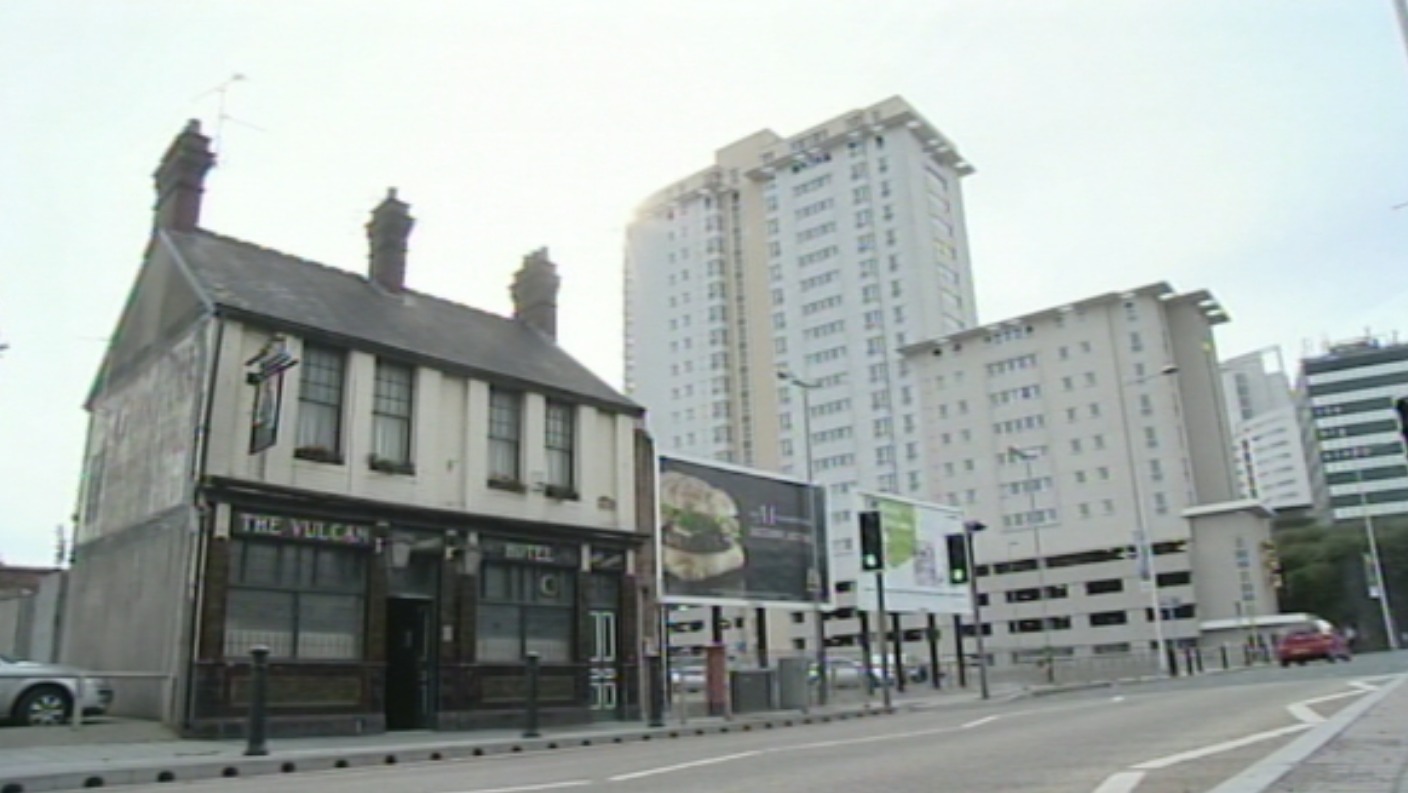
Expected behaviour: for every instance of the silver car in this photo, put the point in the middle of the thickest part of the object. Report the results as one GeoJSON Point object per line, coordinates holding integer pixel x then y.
{"type": "Point", "coordinates": [39, 694]}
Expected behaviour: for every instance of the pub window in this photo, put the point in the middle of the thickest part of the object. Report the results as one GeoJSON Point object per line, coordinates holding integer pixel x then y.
{"type": "Point", "coordinates": [320, 404]}
{"type": "Point", "coordinates": [391, 413]}
{"type": "Point", "coordinates": [505, 432]}
{"type": "Point", "coordinates": [560, 443]}
{"type": "Point", "coordinates": [302, 601]}
{"type": "Point", "coordinates": [525, 609]}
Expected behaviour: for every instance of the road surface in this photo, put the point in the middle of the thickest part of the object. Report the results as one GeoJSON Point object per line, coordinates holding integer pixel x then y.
{"type": "Point", "coordinates": [1170, 737]}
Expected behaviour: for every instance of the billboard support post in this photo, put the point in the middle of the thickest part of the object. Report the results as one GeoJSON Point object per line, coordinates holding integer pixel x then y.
{"type": "Point", "coordinates": [884, 641]}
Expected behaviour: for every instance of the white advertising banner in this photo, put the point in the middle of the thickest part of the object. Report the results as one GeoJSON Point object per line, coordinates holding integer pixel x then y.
{"type": "Point", "coordinates": [916, 557]}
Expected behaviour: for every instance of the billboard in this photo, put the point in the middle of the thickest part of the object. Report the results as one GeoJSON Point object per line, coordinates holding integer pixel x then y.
{"type": "Point", "coordinates": [735, 536]}
{"type": "Point", "coordinates": [916, 557]}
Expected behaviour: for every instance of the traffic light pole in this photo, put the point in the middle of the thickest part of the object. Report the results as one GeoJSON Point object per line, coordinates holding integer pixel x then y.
{"type": "Point", "coordinates": [977, 612]}
{"type": "Point", "coordinates": [884, 640]}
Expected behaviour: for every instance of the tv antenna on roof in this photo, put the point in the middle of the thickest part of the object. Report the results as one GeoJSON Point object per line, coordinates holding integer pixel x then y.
{"type": "Point", "coordinates": [222, 91]}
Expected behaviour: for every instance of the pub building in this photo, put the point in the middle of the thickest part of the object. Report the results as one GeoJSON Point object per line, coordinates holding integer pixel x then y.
{"type": "Point", "coordinates": [399, 495]}
{"type": "Point", "coordinates": [421, 622]}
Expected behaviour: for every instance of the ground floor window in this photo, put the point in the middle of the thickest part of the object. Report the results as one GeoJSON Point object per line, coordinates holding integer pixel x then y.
{"type": "Point", "coordinates": [301, 601]}
{"type": "Point", "coordinates": [525, 609]}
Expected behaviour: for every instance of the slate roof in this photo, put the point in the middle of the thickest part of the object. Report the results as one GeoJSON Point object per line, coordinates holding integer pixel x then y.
{"type": "Point", "coordinates": [296, 293]}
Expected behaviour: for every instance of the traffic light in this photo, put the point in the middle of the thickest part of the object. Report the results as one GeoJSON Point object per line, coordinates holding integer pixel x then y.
{"type": "Point", "coordinates": [958, 572]}
{"type": "Point", "coordinates": [872, 542]}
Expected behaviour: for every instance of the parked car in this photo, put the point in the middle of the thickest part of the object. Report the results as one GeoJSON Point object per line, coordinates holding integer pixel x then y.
{"type": "Point", "coordinates": [1312, 645]}
{"type": "Point", "coordinates": [38, 694]}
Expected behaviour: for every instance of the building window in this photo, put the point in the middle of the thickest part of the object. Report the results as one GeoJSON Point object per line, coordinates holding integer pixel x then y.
{"type": "Point", "coordinates": [1103, 618]}
{"type": "Point", "coordinates": [525, 609]}
{"type": "Point", "coordinates": [561, 448]}
{"type": "Point", "coordinates": [391, 418]}
{"type": "Point", "coordinates": [320, 404]}
{"type": "Point", "coordinates": [301, 601]}
{"type": "Point", "coordinates": [505, 434]}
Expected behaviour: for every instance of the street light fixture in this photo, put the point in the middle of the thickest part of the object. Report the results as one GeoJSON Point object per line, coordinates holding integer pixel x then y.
{"type": "Point", "coordinates": [1143, 538]}
{"type": "Point", "coordinates": [818, 593]}
{"type": "Point", "coordinates": [1028, 457]}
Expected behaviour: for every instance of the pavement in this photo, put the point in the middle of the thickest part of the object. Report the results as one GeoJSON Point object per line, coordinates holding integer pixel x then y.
{"type": "Point", "coordinates": [105, 752]}
{"type": "Point", "coordinates": [1370, 755]}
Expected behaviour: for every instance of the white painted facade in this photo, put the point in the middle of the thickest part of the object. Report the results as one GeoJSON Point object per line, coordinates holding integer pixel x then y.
{"type": "Point", "coordinates": [449, 447]}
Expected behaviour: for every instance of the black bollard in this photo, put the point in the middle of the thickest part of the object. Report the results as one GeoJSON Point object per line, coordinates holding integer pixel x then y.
{"type": "Point", "coordinates": [655, 663]}
{"type": "Point", "coordinates": [256, 733]}
{"type": "Point", "coordinates": [530, 727]}
{"type": "Point", "coordinates": [1172, 661]}
{"type": "Point", "coordinates": [1198, 658]}
{"type": "Point", "coordinates": [1225, 664]}
{"type": "Point", "coordinates": [931, 633]}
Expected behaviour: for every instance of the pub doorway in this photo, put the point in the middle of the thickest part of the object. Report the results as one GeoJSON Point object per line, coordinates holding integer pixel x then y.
{"type": "Point", "coordinates": [408, 664]}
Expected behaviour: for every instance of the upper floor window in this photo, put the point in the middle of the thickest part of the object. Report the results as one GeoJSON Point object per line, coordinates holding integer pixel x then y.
{"type": "Point", "coordinates": [391, 417]}
{"type": "Point", "coordinates": [561, 448]}
{"type": "Point", "coordinates": [321, 378]}
{"type": "Point", "coordinates": [505, 436]}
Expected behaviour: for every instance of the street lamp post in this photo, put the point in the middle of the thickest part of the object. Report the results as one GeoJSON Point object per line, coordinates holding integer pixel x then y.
{"type": "Point", "coordinates": [1144, 541]}
{"type": "Point", "coordinates": [1385, 611]}
{"type": "Point", "coordinates": [818, 592]}
{"type": "Point", "coordinates": [1027, 457]}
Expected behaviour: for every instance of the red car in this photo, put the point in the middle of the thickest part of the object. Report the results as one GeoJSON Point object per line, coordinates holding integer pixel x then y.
{"type": "Point", "coordinates": [1311, 645]}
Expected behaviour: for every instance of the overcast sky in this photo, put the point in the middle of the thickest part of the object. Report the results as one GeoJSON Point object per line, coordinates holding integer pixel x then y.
{"type": "Point", "coordinates": [1254, 148]}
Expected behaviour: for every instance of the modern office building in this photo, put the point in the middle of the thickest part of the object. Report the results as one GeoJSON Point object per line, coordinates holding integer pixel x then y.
{"type": "Point", "coordinates": [1267, 434]}
{"type": "Point", "coordinates": [1082, 436]}
{"type": "Point", "coordinates": [1351, 389]}
{"type": "Point", "coordinates": [767, 297]}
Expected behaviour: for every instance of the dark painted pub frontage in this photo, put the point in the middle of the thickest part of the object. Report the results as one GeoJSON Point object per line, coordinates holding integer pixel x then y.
{"type": "Point", "coordinates": [408, 621]}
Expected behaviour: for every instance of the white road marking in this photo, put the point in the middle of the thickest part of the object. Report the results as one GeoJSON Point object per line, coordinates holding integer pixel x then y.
{"type": "Point", "coordinates": [1218, 748]}
{"type": "Point", "coordinates": [1363, 685]}
{"type": "Point", "coordinates": [668, 769]}
{"type": "Point", "coordinates": [1119, 698]}
{"type": "Point", "coordinates": [1121, 782]}
{"type": "Point", "coordinates": [1304, 713]}
{"type": "Point", "coordinates": [867, 739]}
{"type": "Point", "coordinates": [527, 788]}
{"type": "Point", "coordinates": [978, 722]}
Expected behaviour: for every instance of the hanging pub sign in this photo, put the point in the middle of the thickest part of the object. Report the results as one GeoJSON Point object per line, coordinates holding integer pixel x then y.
{"type": "Point", "coordinates": [310, 529]}
{"type": "Point", "coordinates": [267, 378]}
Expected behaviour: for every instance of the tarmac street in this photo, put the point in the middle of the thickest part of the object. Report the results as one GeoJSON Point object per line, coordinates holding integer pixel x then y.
{"type": "Point", "coordinates": [1166, 737]}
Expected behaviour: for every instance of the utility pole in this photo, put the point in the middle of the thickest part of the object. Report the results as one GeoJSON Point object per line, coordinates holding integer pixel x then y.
{"type": "Point", "coordinates": [819, 593]}
{"type": "Point", "coordinates": [1047, 657]}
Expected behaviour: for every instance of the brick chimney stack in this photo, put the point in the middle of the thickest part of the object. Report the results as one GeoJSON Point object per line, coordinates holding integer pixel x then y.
{"type": "Point", "coordinates": [534, 293]}
{"type": "Point", "coordinates": [180, 179]}
{"type": "Point", "coordinates": [387, 233]}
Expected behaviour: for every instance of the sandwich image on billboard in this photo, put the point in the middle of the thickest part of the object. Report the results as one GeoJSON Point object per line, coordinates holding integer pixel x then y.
{"type": "Point", "coordinates": [735, 536]}
{"type": "Point", "coordinates": [915, 553]}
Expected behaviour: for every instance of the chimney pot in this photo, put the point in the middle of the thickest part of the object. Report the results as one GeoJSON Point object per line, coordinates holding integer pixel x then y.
{"type": "Point", "coordinates": [387, 233]}
{"type": "Point", "coordinates": [534, 291]}
{"type": "Point", "coordinates": [180, 179]}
